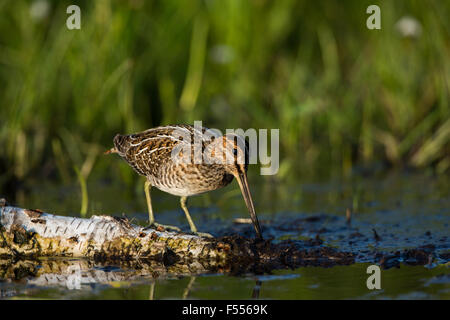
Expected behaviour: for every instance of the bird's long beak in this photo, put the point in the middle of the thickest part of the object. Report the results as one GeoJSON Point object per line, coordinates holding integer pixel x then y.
{"type": "Point", "coordinates": [243, 184]}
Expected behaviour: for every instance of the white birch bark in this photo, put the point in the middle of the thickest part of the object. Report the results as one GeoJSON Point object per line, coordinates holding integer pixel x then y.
{"type": "Point", "coordinates": [32, 233]}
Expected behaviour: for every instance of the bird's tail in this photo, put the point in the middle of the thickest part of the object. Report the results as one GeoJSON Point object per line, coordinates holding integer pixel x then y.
{"type": "Point", "coordinates": [112, 150]}
{"type": "Point", "coordinates": [121, 145]}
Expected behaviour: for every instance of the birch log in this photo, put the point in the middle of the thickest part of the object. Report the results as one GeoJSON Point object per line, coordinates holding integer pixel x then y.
{"type": "Point", "coordinates": [32, 233]}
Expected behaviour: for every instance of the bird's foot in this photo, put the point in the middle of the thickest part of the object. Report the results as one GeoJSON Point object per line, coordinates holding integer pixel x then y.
{"type": "Point", "coordinates": [157, 226]}
{"type": "Point", "coordinates": [203, 234]}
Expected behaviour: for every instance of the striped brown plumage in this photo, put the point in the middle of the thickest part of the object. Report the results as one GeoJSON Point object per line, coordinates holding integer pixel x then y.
{"type": "Point", "coordinates": [150, 154]}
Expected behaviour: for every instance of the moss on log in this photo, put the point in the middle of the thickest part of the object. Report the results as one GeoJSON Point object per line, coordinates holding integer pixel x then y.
{"type": "Point", "coordinates": [33, 234]}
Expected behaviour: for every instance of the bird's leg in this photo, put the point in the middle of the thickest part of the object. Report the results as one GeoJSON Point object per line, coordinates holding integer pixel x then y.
{"type": "Point", "coordinates": [151, 217]}
{"type": "Point", "coordinates": [183, 201]}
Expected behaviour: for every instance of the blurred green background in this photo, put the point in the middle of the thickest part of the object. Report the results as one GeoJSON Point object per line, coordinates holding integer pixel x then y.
{"type": "Point", "coordinates": [343, 96]}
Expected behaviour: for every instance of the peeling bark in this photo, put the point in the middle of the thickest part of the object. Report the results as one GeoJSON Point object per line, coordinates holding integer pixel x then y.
{"type": "Point", "coordinates": [33, 234]}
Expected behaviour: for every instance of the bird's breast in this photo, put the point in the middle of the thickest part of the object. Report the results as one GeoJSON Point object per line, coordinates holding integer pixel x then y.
{"type": "Point", "coordinates": [188, 180]}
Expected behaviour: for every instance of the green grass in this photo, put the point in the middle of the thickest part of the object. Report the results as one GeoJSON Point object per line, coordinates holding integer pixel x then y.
{"type": "Point", "coordinates": [342, 95]}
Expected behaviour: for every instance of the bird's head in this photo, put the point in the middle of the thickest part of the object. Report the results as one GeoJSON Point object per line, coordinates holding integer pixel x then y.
{"type": "Point", "coordinates": [232, 152]}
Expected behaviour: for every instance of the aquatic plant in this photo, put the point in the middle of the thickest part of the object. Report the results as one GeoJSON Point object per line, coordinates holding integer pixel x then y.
{"type": "Point", "coordinates": [342, 95]}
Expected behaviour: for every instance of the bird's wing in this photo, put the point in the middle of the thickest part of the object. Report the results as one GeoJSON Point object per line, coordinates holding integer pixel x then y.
{"type": "Point", "coordinates": [146, 151]}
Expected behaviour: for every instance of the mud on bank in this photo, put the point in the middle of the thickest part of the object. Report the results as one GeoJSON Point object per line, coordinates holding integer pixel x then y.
{"type": "Point", "coordinates": [332, 241]}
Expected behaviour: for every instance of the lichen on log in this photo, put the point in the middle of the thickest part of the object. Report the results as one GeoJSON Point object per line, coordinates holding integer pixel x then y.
{"type": "Point", "coordinates": [32, 234]}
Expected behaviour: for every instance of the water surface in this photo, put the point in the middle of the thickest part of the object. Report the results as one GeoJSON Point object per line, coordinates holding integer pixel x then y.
{"type": "Point", "coordinates": [406, 211]}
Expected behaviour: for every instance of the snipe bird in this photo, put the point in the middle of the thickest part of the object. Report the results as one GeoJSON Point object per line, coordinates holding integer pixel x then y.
{"type": "Point", "coordinates": [160, 155]}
